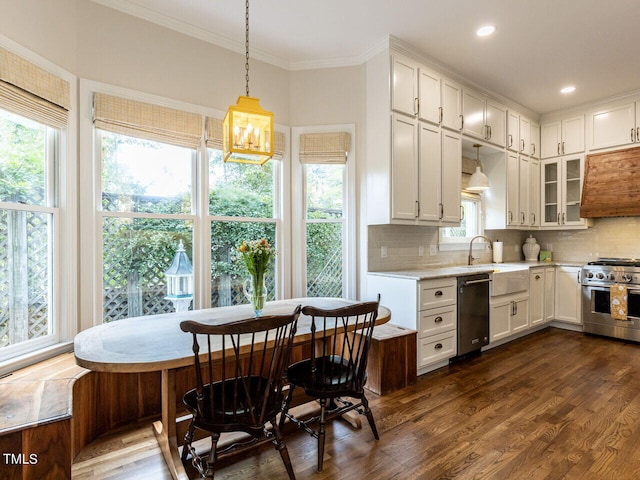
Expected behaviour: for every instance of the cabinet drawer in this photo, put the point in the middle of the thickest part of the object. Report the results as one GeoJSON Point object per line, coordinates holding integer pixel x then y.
{"type": "Point", "coordinates": [437, 320]}
{"type": "Point", "coordinates": [437, 293]}
{"type": "Point", "coordinates": [434, 348]}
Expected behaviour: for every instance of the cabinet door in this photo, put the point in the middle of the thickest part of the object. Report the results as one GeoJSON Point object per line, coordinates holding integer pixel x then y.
{"type": "Point", "coordinates": [573, 135]}
{"type": "Point", "coordinates": [534, 193]}
{"type": "Point", "coordinates": [520, 315]}
{"type": "Point", "coordinates": [513, 177]}
{"type": "Point", "coordinates": [551, 185]}
{"type": "Point", "coordinates": [429, 108]}
{"type": "Point", "coordinates": [451, 176]}
{"type": "Point", "coordinates": [513, 130]}
{"type": "Point", "coordinates": [404, 85]}
{"type": "Point", "coordinates": [550, 138]}
{"type": "Point", "coordinates": [496, 121]}
{"type": "Point", "coordinates": [473, 105]}
{"type": "Point", "coordinates": [525, 136]}
{"type": "Point", "coordinates": [535, 141]}
{"type": "Point", "coordinates": [404, 168]}
{"type": "Point", "coordinates": [451, 101]}
{"type": "Point", "coordinates": [572, 170]}
{"type": "Point", "coordinates": [523, 191]}
{"type": "Point", "coordinates": [549, 293]}
{"type": "Point", "coordinates": [499, 321]}
{"type": "Point", "coordinates": [536, 296]}
{"type": "Point", "coordinates": [567, 295]}
{"type": "Point", "coordinates": [430, 172]}
{"type": "Point", "coordinates": [612, 126]}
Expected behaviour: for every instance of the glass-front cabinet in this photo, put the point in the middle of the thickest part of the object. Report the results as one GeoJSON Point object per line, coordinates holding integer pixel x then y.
{"type": "Point", "coordinates": [562, 191]}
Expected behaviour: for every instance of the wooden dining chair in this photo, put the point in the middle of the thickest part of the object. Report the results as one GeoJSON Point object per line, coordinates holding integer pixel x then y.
{"type": "Point", "coordinates": [336, 368]}
{"type": "Point", "coordinates": [239, 381]}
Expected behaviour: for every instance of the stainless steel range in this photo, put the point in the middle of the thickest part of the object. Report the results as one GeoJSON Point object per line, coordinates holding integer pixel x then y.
{"type": "Point", "coordinates": [596, 279]}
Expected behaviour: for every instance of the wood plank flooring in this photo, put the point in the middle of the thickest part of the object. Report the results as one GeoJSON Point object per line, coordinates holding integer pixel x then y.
{"type": "Point", "coordinates": [553, 405]}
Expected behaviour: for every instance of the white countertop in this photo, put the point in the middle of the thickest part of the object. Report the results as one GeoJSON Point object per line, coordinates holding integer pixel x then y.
{"type": "Point", "coordinates": [462, 270]}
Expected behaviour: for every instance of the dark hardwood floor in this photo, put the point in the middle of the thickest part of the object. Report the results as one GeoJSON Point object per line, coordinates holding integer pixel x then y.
{"type": "Point", "coordinates": [553, 405]}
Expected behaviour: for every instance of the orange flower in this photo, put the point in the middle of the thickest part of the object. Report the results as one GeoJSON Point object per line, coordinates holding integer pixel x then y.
{"type": "Point", "coordinates": [242, 247]}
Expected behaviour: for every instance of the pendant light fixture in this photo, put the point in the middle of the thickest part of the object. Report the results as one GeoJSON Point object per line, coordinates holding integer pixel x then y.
{"type": "Point", "coordinates": [478, 181]}
{"type": "Point", "coordinates": [247, 128]}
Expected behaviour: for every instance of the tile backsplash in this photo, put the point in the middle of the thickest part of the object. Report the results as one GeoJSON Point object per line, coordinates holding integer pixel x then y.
{"type": "Point", "coordinates": [608, 237]}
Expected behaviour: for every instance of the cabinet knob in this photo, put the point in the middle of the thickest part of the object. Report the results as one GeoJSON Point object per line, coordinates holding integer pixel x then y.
{"type": "Point", "coordinates": [437, 319]}
{"type": "Point", "coordinates": [537, 277]}
{"type": "Point", "coordinates": [438, 346]}
{"type": "Point", "coordinates": [438, 293]}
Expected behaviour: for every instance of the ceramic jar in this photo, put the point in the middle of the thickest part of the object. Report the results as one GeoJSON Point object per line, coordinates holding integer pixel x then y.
{"type": "Point", "coordinates": [531, 249]}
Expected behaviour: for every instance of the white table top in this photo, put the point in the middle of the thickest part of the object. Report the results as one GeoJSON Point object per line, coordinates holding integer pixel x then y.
{"type": "Point", "coordinates": [155, 342]}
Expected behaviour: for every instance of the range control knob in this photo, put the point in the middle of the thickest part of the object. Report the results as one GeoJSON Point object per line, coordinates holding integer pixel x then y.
{"type": "Point", "coordinates": [626, 277]}
{"type": "Point", "coordinates": [600, 275]}
{"type": "Point", "coordinates": [589, 274]}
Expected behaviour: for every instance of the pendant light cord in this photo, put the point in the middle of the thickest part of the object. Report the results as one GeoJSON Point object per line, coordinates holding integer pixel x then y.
{"type": "Point", "coordinates": [246, 45]}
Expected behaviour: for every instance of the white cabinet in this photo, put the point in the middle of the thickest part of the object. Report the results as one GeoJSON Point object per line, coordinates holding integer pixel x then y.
{"type": "Point", "coordinates": [484, 117]}
{"type": "Point", "coordinates": [568, 295]}
{"type": "Point", "coordinates": [428, 306]}
{"type": "Point", "coordinates": [562, 137]}
{"type": "Point", "coordinates": [561, 192]}
{"type": "Point", "coordinates": [513, 178]}
{"type": "Point", "coordinates": [414, 176]}
{"type": "Point", "coordinates": [535, 141]}
{"type": "Point", "coordinates": [537, 290]}
{"type": "Point", "coordinates": [534, 193]}
{"type": "Point", "coordinates": [426, 172]}
{"type": "Point", "coordinates": [613, 126]}
{"type": "Point", "coordinates": [549, 293]}
{"type": "Point", "coordinates": [451, 100]}
{"type": "Point", "coordinates": [404, 85]}
{"type": "Point", "coordinates": [518, 133]}
{"type": "Point", "coordinates": [524, 165]}
{"type": "Point", "coordinates": [508, 314]}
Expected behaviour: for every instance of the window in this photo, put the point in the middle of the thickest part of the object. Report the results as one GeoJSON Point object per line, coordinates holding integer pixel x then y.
{"type": "Point", "coordinates": [28, 214]}
{"type": "Point", "coordinates": [325, 169]}
{"type": "Point", "coordinates": [146, 211]}
{"type": "Point", "coordinates": [454, 238]}
{"type": "Point", "coordinates": [242, 206]}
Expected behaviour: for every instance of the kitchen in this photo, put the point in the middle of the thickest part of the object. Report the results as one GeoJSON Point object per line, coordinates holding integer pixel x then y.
{"type": "Point", "coordinates": [317, 96]}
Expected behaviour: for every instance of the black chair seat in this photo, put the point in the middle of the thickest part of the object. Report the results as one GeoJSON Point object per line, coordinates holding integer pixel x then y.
{"type": "Point", "coordinates": [247, 408]}
{"type": "Point", "coordinates": [333, 376]}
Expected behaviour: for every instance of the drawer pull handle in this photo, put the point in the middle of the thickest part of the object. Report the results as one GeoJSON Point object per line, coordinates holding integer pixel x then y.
{"type": "Point", "coordinates": [438, 346]}
{"type": "Point", "coordinates": [437, 319]}
{"type": "Point", "coordinates": [439, 293]}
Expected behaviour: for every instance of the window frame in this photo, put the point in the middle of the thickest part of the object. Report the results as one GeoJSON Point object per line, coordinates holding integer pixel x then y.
{"type": "Point", "coordinates": [62, 202]}
{"type": "Point", "coordinates": [298, 200]}
{"type": "Point", "coordinates": [462, 243]}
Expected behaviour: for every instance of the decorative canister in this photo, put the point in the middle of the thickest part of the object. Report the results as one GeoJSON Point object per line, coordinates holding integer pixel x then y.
{"type": "Point", "coordinates": [531, 249]}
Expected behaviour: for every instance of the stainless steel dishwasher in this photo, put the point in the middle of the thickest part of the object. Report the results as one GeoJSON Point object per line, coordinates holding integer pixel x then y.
{"type": "Point", "coordinates": [473, 313]}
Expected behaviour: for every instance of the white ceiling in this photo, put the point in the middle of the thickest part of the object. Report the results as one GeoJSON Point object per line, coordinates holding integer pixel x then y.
{"type": "Point", "coordinates": [539, 46]}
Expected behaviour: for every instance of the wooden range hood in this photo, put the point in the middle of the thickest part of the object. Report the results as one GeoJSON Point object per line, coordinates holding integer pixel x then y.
{"type": "Point", "coordinates": [611, 184]}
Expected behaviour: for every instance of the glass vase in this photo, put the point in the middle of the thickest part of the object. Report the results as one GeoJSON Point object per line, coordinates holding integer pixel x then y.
{"type": "Point", "coordinates": [256, 293]}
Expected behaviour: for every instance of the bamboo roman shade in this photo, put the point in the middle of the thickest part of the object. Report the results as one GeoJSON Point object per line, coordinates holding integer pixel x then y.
{"type": "Point", "coordinates": [214, 138]}
{"type": "Point", "coordinates": [330, 147]}
{"type": "Point", "coordinates": [30, 91]}
{"type": "Point", "coordinates": [146, 120]}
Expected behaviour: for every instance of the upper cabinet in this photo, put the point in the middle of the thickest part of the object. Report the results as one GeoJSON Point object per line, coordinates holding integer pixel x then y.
{"type": "Point", "coordinates": [414, 169]}
{"type": "Point", "coordinates": [613, 126]}
{"type": "Point", "coordinates": [484, 118]}
{"type": "Point", "coordinates": [562, 137]}
{"type": "Point", "coordinates": [561, 192]}
{"type": "Point", "coordinates": [535, 141]}
{"type": "Point", "coordinates": [519, 133]}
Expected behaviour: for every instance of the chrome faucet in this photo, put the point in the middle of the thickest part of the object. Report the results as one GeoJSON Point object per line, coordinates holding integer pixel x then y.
{"type": "Point", "coordinates": [471, 259]}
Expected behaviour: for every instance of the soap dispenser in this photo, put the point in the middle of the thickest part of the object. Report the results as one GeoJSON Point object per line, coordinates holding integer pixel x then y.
{"type": "Point", "coordinates": [531, 249]}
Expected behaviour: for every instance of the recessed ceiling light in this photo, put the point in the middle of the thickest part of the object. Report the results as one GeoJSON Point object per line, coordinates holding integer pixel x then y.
{"type": "Point", "coordinates": [486, 30]}
{"type": "Point", "coordinates": [569, 89]}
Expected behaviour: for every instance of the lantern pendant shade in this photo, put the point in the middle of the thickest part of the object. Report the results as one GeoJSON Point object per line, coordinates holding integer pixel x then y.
{"type": "Point", "coordinates": [247, 132]}
{"type": "Point", "coordinates": [478, 181]}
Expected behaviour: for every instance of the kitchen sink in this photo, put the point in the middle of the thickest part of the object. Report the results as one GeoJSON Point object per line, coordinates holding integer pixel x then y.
{"type": "Point", "coordinates": [509, 280]}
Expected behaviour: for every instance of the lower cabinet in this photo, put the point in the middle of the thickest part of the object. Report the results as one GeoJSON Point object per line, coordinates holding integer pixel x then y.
{"type": "Point", "coordinates": [541, 295]}
{"type": "Point", "coordinates": [568, 295]}
{"type": "Point", "coordinates": [508, 314]}
{"type": "Point", "coordinates": [428, 306]}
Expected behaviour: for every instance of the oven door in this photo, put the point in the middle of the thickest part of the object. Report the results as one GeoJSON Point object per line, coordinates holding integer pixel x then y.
{"type": "Point", "coordinates": [596, 313]}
